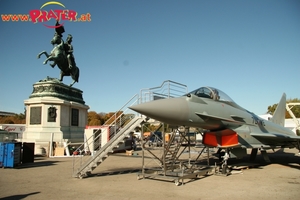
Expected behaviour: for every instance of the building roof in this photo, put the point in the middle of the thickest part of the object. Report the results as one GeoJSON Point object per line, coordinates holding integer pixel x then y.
{"type": "Point", "coordinates": [3, 113]}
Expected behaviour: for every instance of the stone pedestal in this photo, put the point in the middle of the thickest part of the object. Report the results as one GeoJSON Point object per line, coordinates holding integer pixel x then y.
{"type": "Point", "coordinates": [55, 109]}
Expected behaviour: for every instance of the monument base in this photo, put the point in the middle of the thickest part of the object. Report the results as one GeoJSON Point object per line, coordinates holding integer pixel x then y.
{"type": "Point", "coordinates": [54, 112]}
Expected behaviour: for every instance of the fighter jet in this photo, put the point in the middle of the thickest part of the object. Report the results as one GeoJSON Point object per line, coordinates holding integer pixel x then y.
{"type": "Point", "coordinates": [226, 125]}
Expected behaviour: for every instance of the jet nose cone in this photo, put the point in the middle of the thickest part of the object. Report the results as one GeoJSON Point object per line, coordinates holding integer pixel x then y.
{"type": "Point", "coordinates": [171, 111]}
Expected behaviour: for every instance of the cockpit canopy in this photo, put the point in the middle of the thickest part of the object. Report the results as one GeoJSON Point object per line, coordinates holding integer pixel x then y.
{"type": "Point", "coordinates": [211, 93]}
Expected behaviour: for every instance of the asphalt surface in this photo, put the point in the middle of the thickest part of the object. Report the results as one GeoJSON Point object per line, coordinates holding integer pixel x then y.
{"type": "Point", "coordinates": [116, 178]}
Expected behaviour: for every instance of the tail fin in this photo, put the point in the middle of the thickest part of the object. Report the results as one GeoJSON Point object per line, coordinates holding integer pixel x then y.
{"type": "Point", "coordinates": [279, 114]}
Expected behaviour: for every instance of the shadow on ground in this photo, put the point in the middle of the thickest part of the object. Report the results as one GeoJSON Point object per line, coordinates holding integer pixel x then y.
{"type": "Point", "coordinates": [117, 171]}
{"type": "Point", "coordinates": [278, 157]}
{"type": "Point", "coordinates": [38, 162]}
{"type": "Point", "coordinates": [19, 196]}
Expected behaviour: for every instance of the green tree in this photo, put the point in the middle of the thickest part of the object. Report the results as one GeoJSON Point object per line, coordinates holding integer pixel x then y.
{"type": "Point", "coordinates": [295, 109]}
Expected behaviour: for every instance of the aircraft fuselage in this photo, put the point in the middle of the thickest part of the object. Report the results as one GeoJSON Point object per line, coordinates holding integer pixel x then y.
{"type": "Point", "coordinates": [226, 124]}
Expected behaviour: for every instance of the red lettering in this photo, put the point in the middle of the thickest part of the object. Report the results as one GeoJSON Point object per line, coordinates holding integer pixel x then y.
{"type": "Point", "coordinates": [34, 15]}
{"type": "Point", "coordinates": [5, 18]}
{"type": "Point", "coordinates": [14, 18]}
{"type": "Point", "coordinates": [58, 14]}
{"type": "Point", "coordinates": [88, 17]}
{"type": "Point", "coordinates": [64, 15]}
{"type": "Point", "coordinates": [72, 15]}
{"type": "Point", "coordinates": [43, 16]}
{"type": "Point", "coordinates": [9, 129]}
{"type": "Point", "coordinates": [85, 17]}
{"type": "Point", "coordinates": [24, 17]}
{"type": "Point", "coordinates": [50, 15]}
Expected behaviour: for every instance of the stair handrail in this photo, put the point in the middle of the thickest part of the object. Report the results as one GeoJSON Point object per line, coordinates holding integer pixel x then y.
{"type": "Point", "coordinates": [136, 96]}
{"type": "Point", "coordinates": [167, 89]}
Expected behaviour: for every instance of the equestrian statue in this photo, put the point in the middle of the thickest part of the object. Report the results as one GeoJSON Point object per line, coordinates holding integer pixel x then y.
{"type": "Point", "coordinates": [62, 55]}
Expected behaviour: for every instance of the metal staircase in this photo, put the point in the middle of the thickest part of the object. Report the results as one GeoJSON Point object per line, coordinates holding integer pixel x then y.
{"type": "Point", "coordinates": [171, 151]}
{"type": "Point", "coordinates": [170, 162]}
{"type": "Point", "coordinates": [94, 161]}
{"type": "Point", "coordinates": [121, 124]}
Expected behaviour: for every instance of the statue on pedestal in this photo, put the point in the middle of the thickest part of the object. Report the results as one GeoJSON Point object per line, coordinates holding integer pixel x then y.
{"type": "Point", "coordinates": [62, 55]}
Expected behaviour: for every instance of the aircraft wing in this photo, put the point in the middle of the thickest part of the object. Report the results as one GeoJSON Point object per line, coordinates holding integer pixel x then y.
{"type": "Point", "coordinates": [235, 119]}
{"type": "Point", "coordinates": [278, 136]}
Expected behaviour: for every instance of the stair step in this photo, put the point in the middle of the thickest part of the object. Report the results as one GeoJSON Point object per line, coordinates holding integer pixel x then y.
{"type": "Point", "coordinates": [99, 162]}
{"type": "Point", "coordinates": [95, 165]}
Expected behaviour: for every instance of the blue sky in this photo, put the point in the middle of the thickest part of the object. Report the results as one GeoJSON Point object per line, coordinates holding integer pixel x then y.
{"type": "Point", "coordinates": [248, 49]}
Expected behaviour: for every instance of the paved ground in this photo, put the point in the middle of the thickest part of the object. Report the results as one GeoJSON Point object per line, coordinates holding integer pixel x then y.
{"type": "Point", "coordinates": [116, 178]}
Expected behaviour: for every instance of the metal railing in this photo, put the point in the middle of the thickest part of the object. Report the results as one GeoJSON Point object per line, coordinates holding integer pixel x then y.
{"type": "Point", "coordinates": [168, 89]}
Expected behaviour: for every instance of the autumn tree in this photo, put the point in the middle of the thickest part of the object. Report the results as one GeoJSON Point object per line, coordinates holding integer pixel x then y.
{"type": "Point", "coordinates": [112, 116]}
{"type": "Point", "coordinates": [97, 119]}
{"type": "Point", "coordinates": [93, 118]}
{"type": "Point", "coordinates": [15, 119]}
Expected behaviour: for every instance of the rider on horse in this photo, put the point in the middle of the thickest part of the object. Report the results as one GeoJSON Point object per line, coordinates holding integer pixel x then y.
{"type": "Point", "coordinates": [62, 55]}
{"type": "Point", "coordinates": [69, 51]}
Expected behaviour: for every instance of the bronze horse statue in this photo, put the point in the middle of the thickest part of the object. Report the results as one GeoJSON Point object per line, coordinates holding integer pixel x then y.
{"type": "Point", "coordinates": [59, 57]}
